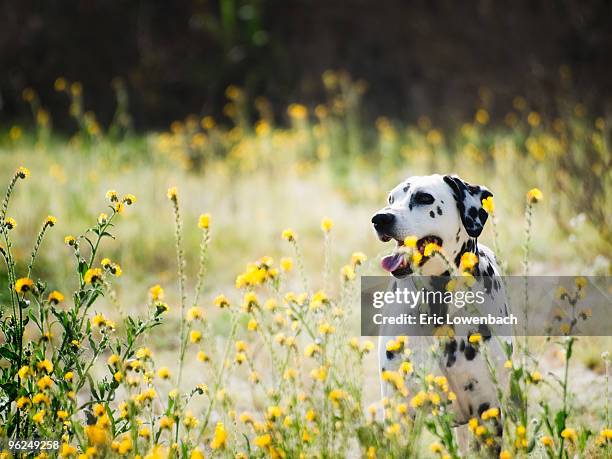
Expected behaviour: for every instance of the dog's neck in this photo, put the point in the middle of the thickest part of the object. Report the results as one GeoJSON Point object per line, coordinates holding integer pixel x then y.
{"type": "Point", "coordinates": [454, 251]}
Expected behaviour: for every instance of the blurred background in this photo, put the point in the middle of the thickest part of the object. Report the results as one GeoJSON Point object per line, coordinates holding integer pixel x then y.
{"type": "Point", "coordinates": [416, 58]}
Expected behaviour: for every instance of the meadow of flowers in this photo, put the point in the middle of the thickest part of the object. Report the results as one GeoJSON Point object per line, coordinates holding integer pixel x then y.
{"type": "Point", "coordinates": [138, 326]}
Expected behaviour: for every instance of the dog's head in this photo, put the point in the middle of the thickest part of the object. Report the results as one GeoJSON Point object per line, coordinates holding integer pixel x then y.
{"type": "Point", "coordinates": [441, 209]}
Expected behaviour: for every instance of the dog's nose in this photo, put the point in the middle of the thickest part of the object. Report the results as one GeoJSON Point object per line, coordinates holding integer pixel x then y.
{"type": "Point", "coordinates": [382, 221]}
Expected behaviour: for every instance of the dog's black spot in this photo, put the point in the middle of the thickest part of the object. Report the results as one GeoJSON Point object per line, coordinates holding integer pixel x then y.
{"type": "Point", "coordinates": [469, 352]}
{"type": "Point", "coordinates": [390, 355]}
{"type": "Point", "coordinates": [485, 332]}
{"type": "Point", "coordinates": [410, 206]}
{"type": "Point", "coordinates": [407, 187]}
{"type": "Point", "coordinates": [482, 215]}
{"type": "Point", "coordinates": [431, 214]}
{"type": "Point", "coordinates": [438, 210]}
{"type": "Point", "coordinates": [473, 212]}
{"type": "Point", "coordinates": [449, 351]}
{"type": "Point", "coordinates": [482, 408]}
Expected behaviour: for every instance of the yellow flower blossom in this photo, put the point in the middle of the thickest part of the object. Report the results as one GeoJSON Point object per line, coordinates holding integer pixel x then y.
{"type": "Point", "coordinates": [358, 258]}
{"type": "Point", "coordinates": [44, 383]}
{"type": "Point", "coordinates": [569, 434]}
{"type": "Point", "coordinates": [156, 292]}
{"type": "Point", "coordinates": [24, 285]}
{"type": "Point", "coordinates": [92, 275]}
{"type": "Point", "coordinates": [286, 264]}
{"type": "Point", "coordinates": [536, 377]}
{"type": "Point", "coordinates": [488, 205]}
{"type": "Point", "coordinates": [55, 297]}
{"type": "Point", "coordinates": [534, 196]}
{"type": "Point", "coordinates": [39, 417]}
{"type": "Point", "coordinates": [288, 235]}
{"type": "Point", "coordinates": [45, 365]}
{"type": "Point", "coordinates": [263, 441]}
{"type": "Point", "coordinates": [163, 373]}
{"type": "Point", "coordinates": [24, 371]}
{"type": "Point", "coordinates": [172, 194]}
{"type": "Point", "coordinates": [195, 313]}
{"type": "Point", "coordinates": [547, 442]}
{"type": "Point", "coordinates": [348, 273]}
{"type": "Point", "coordinates": [204, 221]}
{"type": "Point", "coordinates": [22, 172]}
{"type": "Point", "coordinates": [195, 336]}
{"type": "Point", "coordinates": [327, 224]}
{"type": "Point", "coordinates": [221, 301]}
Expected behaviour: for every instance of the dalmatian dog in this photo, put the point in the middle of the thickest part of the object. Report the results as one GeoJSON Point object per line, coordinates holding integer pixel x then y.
{"type": "Point", "coordinates": [447, 211]}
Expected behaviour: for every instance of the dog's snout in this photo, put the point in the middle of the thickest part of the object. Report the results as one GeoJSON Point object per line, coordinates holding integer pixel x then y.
{"type": "Point", "coordinates": [382, 220]}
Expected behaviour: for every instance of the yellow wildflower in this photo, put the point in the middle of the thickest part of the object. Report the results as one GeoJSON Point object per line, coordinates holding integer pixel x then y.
{"type": "Point", "coordinates": [45, 365]}
{"type": "Point", "coordinates": [263, 441]}
{"type": "Point", "coordinates": [220, 438]}
{"type": "Point", "coordinates": [204, 221]}
{"type": "Point", "coordinates": [24, 285]}
{"type": "Point", "coordinates": [488, 205]}
{"type": "Point", "coordinates": [195, 336]}
{"type": "Point", "coordinates": [547, 441]}
{"type": "Point", "coordinates": [39, 417]}
{"type": "Point", "coordinates": [156, 292]}
{"type": "Point", "coordinates": [410, 242]}
{"type": "Point", "coordinates": [348, 273]}
{"type": "Point", "coordinates": [358, 258]}
{"type": "Point", "coordinates": [44, 383]}
{"type": "Point", "coordinates": [431, 248]}
{"type": "Point", "coordinates": [288, 235]}
{"type": "Point", "coordinates": [55, 297]}
{"type": "Point", "coordinates": [23, 372]}
{"type": "Point", "coordinates": [129, 199]}
{"type": "Point", "coordinates": [10, 223]}
{"type": "Point", "coordinates": [536, 377]}
{"type": "Point", "coordinates": [92, 275]}
{"type": "Point", "coordinates": [22, 172]}
{"type": "Point", "coordinates": [172, 193]}
{"type": "Point", "coordinates": [534, 196]}
{"type": "Point", "coordinates": [286, 264]}
{"type": "Point", "coordinates": [327, 224]}
{"type": "Point", "coordinates": [569, 434]}
{"type": "Point", "coordinates": [221, 301]}
{"type": "Point", "coordinates": [22, 402]}
{"type": "Point", "coordinates": [163, 373]}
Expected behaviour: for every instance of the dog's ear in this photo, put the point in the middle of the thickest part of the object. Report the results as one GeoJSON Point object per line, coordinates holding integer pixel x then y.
{"type": "Point", "coordinates": [469, 203]}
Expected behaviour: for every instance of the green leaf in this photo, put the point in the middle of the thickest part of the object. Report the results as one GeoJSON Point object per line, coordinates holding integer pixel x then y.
{"type": "Point", "coordinates": [560, 418]}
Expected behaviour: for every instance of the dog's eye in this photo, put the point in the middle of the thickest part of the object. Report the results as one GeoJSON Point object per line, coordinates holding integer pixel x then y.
{"type": "Point", "coordinates": [391, 199]}
{"type": "Point", "coordinates": [423, 198]}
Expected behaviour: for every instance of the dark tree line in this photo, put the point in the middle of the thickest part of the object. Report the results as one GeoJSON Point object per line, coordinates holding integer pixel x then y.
{"type": "Point", "coordinates": [418, 57]}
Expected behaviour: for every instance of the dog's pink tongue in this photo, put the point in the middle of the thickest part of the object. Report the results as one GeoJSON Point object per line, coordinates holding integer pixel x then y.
{"type": "Point", "coordinates": [392, 262]}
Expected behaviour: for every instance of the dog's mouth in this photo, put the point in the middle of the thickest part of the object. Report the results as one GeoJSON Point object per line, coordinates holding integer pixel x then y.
{"type": "Point", "coordinates": [398, 264]}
